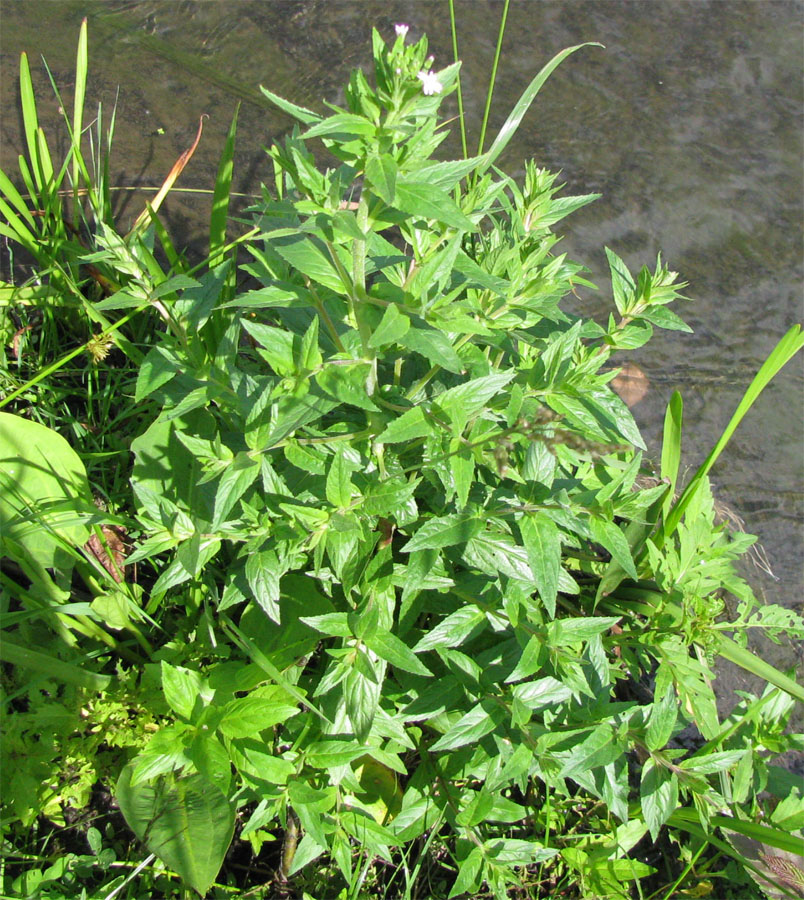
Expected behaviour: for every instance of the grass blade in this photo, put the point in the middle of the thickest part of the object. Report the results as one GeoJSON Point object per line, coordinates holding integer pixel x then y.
{"type": "Point", "coordinates": [461, 118]}
{"type": "Point", "coordinates": [52, 667]}
{"type": "Point", "coordinates": [220, 198]}
{"type": "Point", "coordinates": [671, 446]}
{"type": "Point", "coordinates": [782, 353]}
{"type": "Point", "coordinates": [492, 78]}
{"type": "Point", "coordinates": [513, 121]}
{"type": "Point", "coordinates": [30, 121]}
{"type": "Point", "coordinates": [81, 67]}
{"type": "Point", "coordinates": [747, 660]}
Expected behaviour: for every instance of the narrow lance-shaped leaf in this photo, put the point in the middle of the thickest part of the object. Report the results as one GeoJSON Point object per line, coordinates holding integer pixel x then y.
{"type": "Point", "coordinates": [543, 545]}
{"type": "Point", "coordinates": [522, 105]}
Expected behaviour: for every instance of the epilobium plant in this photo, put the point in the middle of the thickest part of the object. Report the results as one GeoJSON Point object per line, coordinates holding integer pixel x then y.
{"type": "Point", "coordinates": [419, 590]}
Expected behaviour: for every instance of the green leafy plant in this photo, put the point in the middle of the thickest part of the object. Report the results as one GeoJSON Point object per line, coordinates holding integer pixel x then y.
{"type": "Point", "coordinates": [407, 589]}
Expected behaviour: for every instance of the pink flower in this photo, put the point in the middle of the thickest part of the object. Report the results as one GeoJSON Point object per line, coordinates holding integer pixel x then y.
{"type": "Point", "coordinates": [401, 29]}
{"type": "Point", "coordinates": [430, 82]}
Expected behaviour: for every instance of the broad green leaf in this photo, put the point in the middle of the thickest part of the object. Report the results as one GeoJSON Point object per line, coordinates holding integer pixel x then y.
{"type": "Point", "coordinates": [434, 346]}
{"type": "Point", "coordinates": [658, 791]}
{"type": "Point", "coordinates": [310, 357]}
{"type": "Point", "coordinates": [598, 749]}
{"type": "Point", "coordinates": [188, 823]}
{"type": "Point", "coordinates": [342, 127]}
{"type": "Point", "coordinates": [445, 531]}
{"type": "Point", "coordinates": [561, 632]}
{"type": "Point", "coordinates": [309, 256]}
{"type": "Point", "coordinates": [361, 696]}
{"type": "Point", "coordinates": [467, 730]}
{"type": "Point", "coordinates": [263, 572]}
{"type": "Point", "coordinates": [411, 424]}
{"type": "Point", "coordinates": [451, 632]}
{"type": "Point", "coordinates": [395, 651]}
{"type": "Point", "coordinates": [542, 692]}
{"type": "Point", "coordinates": [347, 383]}
{"type": "Point", "coordinates": [622, 283]}
{"type": "Point", "coordinates": [248, 716]}
{"type": "Point", "coordinates": [662, 721]}
{"type": "Point", "coordinates": [339, 481]}
{"type": "Point", "coordinates": [236, 479]}
{"type": "Point", "coordinates": [542, 542]}
{"type": "Point", "coordinates": [468, 879]}
{"type": "Point", "coordinates": [386, 497]}
{"type": "Point", "coordinates": [426, 201]}
{"type": "Point", "coordinates": [276, 346]}
{"type": "Point", "coordinates": [608, 535]}
{"type": "Point", "coordinates": [182, 687]}
{"type": "Point", "coordinates": [328, 754]}
{"type": "Point", "coordinates": [393, 326]}
{"type": "Point", "coordinates": [460, 403]}
{"type": "Point", "coordinates": [44, 492]}
{"type": "Point", "coordinates": [381, 176]}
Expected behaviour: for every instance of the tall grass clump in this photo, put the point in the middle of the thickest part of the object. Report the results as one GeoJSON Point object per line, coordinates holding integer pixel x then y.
{"type": "Point", "coordinates": [368, 581]}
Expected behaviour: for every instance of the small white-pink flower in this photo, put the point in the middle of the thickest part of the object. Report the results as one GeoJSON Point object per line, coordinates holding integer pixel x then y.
{"type": "Point", "coordinates": [430, 82]}
{"type": "Point", "coordinates": [401, 29]}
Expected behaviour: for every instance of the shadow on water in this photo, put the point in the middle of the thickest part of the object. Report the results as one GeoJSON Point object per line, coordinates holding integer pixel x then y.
{"type": "Point", "coordinates": [689, 124]}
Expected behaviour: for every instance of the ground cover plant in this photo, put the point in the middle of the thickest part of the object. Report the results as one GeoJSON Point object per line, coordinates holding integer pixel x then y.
{"type": "Point", "coordinates": [332, 565]}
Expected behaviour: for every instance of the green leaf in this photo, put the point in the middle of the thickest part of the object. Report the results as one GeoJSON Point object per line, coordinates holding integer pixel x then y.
{"type": "Point", "coordinates": [395, 651]}
{"type": "Point", "coordinates": [542, 542]}
{"type": "Point", "coordinates": [310, 356]}
{"type": "Point", "coordinates": [542, 692]}
{"type": "Point", "coordinates": [662, 721]}
{"type": "Point", "coordinates": [298, 112]}
{"type": "Point", "coordinates": [248, 716]}
{"type": "Point", "coordinates": [411, 424]}
{"type": "Point", "coordinates": [658, 791]}
{"type": "Point", "coordinates": [188, 823]}
{"type": "Point", "coordinates": [608, 535]}
{"type": "Point", "coordinates": [276, 346]}
{"type": "Point", "coordinates": [468, 879]}
{"type": "Point", "coordinates": [445, 531]}
{"type": "Point", "coordinates": [263, 572]}
{"type": "Point", "coordinates": [182, 687]}
{"type": "Point", "coordinates": [236, 479]}
{"type": "Point", "coordinates": [467, 730]}
{"type": "Point", "coordinates": [347, 383]}
{"type": "Point", "coordinates": [361, 697]}
{"type": "Point", "coordinates": [434, 346]}
{"type": "Point", "coordinates": [339, 481]}
{"type": "Point", "coordinates": [622, 283]}
{"type": "Point", "coordinates": [44, 492]}
{"type": "Point", "coordinates": [460, 403]}
{"type": "Point", "coordinates": [309, 256]}
{"type": "Point", "coordinates": [341, 127]}
{"type": "Point", "coordinates": [425, 201]}
{"type": "Point", "coordinates": [562, 632]}
{"type": "Point", "coordinates": [381, 176]}
{"type": "Point", "coordinates": [333, 753]}
{"type": "Point", "coordinates": [452, 631]}
{"type": "Point", "coordinates": [392, 328]}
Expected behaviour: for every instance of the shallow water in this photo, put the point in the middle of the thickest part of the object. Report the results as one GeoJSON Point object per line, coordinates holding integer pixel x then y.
{"type": "Point", "coordinates": [689, 123]}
